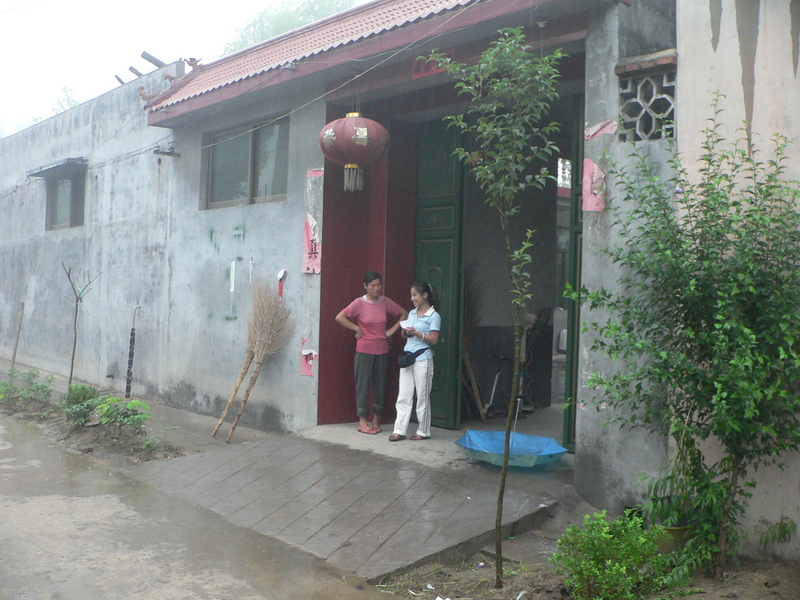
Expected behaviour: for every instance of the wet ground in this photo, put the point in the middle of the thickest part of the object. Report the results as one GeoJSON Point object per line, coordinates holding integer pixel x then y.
{"type": "Point", "coordinates": [72, 528]}
{"type": "Point", "coordinates": [358, 504]}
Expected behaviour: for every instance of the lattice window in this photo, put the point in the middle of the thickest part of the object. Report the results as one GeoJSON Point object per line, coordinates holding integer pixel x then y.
{"type": "Point", "coordinates": [647, 106]}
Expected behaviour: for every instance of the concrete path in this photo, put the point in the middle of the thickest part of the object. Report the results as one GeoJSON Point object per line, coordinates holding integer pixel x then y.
{"type": "Point", "coordinates": [365, 504]}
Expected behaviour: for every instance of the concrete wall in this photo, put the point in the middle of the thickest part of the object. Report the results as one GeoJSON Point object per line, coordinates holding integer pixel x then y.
{"type": "Point", "coordinates": [751, 54]}
{"type": "Point", "coordinates": [748, 51]}
{"type": "Point", "coordinates": [146, 236]}
{"type": "Point", "coordinates": [260, 239]}
{"type": "Point", "coordinates": [120, 215]}
{"type": "Point", "coordinates": [608, 460]}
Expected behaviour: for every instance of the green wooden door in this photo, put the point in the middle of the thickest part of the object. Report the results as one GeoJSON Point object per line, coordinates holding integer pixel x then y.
{"type": "Point", "coordinates": [575, 262]}
{"type": "Point", "coordinates": [438, 257]}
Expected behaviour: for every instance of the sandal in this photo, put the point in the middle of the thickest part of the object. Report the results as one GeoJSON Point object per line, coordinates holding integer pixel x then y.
{"type": "Point", "coordinates": [376, 428]}
{"type": "Point", "coordinates": [396, 437]}
{"type": "Point", "coordinates": [367, 429]}
{"type": "Point", "coordinates": [417, 437]}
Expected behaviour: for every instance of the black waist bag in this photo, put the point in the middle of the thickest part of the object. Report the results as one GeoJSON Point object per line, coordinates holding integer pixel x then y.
{"type": "Point", "coordinates": [406, 358]}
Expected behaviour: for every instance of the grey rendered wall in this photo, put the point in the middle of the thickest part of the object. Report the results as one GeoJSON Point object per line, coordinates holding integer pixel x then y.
{"type": "Point", "coordinates": [750, 54]}
{"type": "Point", "coordinates": [152, 246]}
{"type": "Point", "coordinates": [205, 338]}
{"type": "Point", "coordinates": [608, 460]}
{"type": "Point", "coordinates": [124, 189]}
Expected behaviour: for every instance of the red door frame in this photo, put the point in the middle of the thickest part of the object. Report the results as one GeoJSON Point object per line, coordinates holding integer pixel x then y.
{"type": "Point", "coordinates": [372, 230]}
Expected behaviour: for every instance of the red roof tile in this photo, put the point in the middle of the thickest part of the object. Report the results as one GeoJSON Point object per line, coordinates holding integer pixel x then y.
{"type": "Point", "coordinates": [338, 30]}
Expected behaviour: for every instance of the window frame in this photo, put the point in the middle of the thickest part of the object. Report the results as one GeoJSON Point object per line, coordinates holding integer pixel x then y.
{"type": "Point", "coordinates": [73, 170]}
{"type": "Point", "coordinates": [211, 140]}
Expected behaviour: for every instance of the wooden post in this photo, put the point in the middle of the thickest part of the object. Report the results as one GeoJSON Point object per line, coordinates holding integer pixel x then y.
{"type": "Point", "coordinates": [19, 330]}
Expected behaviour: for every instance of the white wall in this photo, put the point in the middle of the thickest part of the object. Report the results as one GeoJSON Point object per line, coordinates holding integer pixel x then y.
{"type": "Point", "coordinates": [752, 62]}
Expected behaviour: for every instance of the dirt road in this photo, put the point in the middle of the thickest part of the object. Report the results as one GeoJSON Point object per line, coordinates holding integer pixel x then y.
{"type": "Point", "coordinates": [72, 528]}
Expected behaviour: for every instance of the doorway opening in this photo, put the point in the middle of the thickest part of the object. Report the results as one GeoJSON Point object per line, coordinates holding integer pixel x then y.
{"type": "Point", "coordinates": [459, 246]}
{"type": "Point", "coordinates": [422, 216]}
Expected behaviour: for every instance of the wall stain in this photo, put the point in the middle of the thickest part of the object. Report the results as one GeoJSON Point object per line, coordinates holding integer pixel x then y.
{"type": "Point", "coordinates": [212, 236]}
{"type": "Point", "coordinates": [240, 232]}
{"type": "Point", "coordinates": [794, 15]}
{"type": "Point", "coordinates": [747, 25]}
{"type": "Point", "coordinates": [716, 21]}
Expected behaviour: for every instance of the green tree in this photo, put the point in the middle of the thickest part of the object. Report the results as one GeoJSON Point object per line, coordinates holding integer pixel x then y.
{"type": "Point", "coordinates": [66, 101]}
{"type": "Point", "coordinates": [510, 91]}
{"type": "Point", "coordinates": [705, 322]}
{"type": "Point", "coordinates": [276, 20]}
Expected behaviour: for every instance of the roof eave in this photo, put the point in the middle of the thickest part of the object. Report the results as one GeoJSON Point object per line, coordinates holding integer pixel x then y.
{"type": "Point", "coordinates": [169, 114]}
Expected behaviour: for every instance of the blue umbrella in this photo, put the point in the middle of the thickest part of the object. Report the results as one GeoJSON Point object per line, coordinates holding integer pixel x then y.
{"type": "Point", "coordinates": [525, 450]}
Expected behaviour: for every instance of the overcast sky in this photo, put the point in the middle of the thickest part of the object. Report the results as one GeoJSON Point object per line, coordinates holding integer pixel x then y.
{"type": "Point", "coordinates": [47, 45]}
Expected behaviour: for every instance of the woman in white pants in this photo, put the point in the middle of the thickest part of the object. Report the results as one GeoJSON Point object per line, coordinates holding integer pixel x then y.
{"type": "Point", "coordinates": [422, 333]}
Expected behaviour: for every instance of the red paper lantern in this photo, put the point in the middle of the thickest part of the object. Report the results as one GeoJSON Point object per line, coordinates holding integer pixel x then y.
{"type": "Point", "coordinates": [356, 143]}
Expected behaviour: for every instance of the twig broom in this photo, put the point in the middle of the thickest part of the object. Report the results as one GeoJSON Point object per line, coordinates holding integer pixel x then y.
{"type": "Point", "coordinates": [268, 330]}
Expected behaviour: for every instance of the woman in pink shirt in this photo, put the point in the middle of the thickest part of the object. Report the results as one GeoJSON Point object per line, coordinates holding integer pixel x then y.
{"type": "Point", "coordinates": [369, 317]}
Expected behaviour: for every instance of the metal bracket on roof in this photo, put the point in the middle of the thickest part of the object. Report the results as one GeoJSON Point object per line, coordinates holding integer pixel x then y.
{"type": "Point", "coordinates": [170, 151]}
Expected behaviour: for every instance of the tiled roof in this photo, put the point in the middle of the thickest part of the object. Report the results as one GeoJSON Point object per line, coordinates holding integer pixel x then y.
{"type": "Point", "coordinates": [338, 30]}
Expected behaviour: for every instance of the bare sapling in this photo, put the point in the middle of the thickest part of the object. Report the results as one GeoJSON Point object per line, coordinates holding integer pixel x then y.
{"type": "Point", "coordinates": [78, 293]}
{"type": "Point", "coordinates": [510, 90]}
{"type": "Point", "coordinates": [268, 330]}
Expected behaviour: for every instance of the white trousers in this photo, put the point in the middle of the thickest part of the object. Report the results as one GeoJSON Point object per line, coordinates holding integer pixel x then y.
{"type": "Point", "coordinates": [417, 377]}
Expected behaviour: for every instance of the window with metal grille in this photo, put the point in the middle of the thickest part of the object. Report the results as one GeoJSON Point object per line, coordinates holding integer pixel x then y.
{"type": "Point", "coordinates": [647, 106]}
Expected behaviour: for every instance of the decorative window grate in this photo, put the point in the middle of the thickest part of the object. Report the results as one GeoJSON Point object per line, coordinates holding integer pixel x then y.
{"type": "Point", "coordinates": [647, 106]}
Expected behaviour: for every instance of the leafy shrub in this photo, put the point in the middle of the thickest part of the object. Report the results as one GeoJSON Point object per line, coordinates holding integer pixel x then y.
{"type": "Point", "coordinates": [150, 443]}
{"type": "Point", "coordinates": [25, 388]}
{"type": "Point", "coordinates": [781, 532]}
{"type": "Point", "coordinates": [78, 394]}
{"type": "Point", "coordinates": [79, 403]}
{"type": "Point", "coordinates": [131, 414]}
{"type": "Point", "coordinates": [613, 560]}
{"type": "Point", "coordinates": [704, 326]}
{"type": "Point", "coordinates": [8, 389]}
{"type": "Point", "coordinates": [33, 390]}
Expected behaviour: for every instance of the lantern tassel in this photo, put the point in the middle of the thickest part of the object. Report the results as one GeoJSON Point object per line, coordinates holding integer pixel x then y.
{"type": "Point", "coordinates": [353, 178]}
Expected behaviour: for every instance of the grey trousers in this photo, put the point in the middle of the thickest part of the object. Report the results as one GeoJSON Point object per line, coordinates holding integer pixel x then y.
{"type": "Point", "coordinates": [370, 371]}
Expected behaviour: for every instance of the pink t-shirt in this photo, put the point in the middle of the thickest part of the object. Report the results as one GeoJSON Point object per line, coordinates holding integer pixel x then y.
{"type": "Point", "coordinates": [373, 318]}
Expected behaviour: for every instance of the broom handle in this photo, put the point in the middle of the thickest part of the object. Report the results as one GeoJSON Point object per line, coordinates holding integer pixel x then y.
{"type": "Point", "coordinates": [248, 358]}
{"type": "Point", "coordinates": [251, 383]}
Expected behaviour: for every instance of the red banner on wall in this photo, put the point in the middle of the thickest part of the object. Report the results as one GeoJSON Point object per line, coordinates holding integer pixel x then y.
{"type": "Point", "coordinates": [312, 250]}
